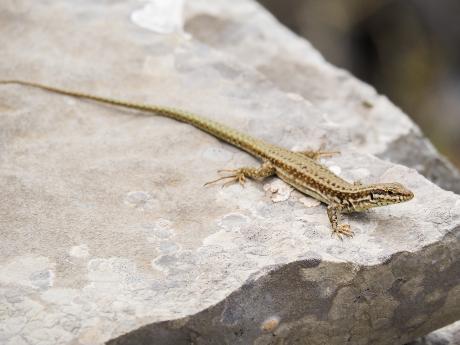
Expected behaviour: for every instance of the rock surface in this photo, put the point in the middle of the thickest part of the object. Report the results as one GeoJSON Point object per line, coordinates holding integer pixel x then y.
{"type": "Point", "coordinates": [106, 234]}
{"type": "Point", "coordinates": [449, 335]}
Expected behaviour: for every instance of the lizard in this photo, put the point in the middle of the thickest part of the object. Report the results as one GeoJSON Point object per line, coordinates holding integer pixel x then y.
{"type": "Point", "coordinates": [301, 170]}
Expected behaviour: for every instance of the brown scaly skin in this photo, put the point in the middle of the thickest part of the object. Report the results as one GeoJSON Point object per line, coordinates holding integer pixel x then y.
{"type": "Point", "coordinates": [299, 169]}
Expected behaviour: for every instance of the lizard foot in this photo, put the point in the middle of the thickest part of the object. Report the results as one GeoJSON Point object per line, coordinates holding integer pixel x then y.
{"type": "Point", "coordinates": [236, 176]}
{"type": "Point", "coordinates": [342, 230]}
{"type": "Point", "coordinates": [240, 175]}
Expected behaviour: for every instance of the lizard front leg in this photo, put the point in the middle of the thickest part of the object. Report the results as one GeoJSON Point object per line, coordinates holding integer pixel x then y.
{"type": "Point", "coordinates": [239, 175]}
{"type": "Point", "coordinates": [333, 212]}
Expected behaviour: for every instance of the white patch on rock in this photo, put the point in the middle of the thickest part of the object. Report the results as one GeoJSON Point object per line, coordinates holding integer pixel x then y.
{"type": "Point", "coordinates": [177, 263]}
{"type": "Point", "coordinates": [278, 190]}
{"type": "Point", "coordinates": [157, 266]}
{"type": "Point", "coordinates": [110, 273]}
{"type": "Point", "coordinates": [224, 239]}
{"type": "Point", "coordinates": [335, 169]}
{"type": "Point", "coordinates": [139, 200]}
{"type": "Point", "coordinates": [295, 96]}
{"type": "Point", "coordinates": [34, 272]}
{"type": "Point", "coordinates": [229, 224]}
{"type": "Point", "coordinates": [161, 16]}
{"type": "Point", "coordinates": [81, 251]}
{"type": "Point", "coordinates": [168, 247]}
{"type": "Point", "coordinates": [234, 194]}
{"type": "Point", "coordinates": [58, 295]}
{"type": "Point", "coordinates": [309, 201]}
{"type": "Point", "coordinates": [162, 229]}
{"type": "Point", "coordinates": [233, 221]}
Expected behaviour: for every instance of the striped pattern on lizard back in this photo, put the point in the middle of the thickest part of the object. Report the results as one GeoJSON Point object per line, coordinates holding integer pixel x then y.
{"type": "Point", "coordinates": [307, 175]}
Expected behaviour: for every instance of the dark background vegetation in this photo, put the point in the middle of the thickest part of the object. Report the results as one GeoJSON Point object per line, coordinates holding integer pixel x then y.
{"type": "Point", "coordinates": [408, 50]}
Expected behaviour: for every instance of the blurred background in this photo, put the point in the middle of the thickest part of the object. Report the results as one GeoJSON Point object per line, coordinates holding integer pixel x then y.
{"type": "Point", "coordinates": [409, 50]}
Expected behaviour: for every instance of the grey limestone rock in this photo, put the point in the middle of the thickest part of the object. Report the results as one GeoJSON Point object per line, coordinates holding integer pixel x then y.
{"type": "Point", "coordinates": [107, 235]}
{"type": "Point", "coordinates": [449, 335]}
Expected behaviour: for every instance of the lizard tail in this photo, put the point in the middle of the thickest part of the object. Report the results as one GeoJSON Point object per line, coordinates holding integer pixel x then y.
{"type": "Point", "coordinates": [78, 94]}
{"type": "Point", "coordinates": [212, 127]}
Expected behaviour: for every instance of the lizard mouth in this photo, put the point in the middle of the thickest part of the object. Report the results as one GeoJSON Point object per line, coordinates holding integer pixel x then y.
{"type": "Point", "coordinates": [406, 195]}
{"type": "Point", "coordinates": [396, 193]}
{"type": "Point", "coordinates": [390, 193]}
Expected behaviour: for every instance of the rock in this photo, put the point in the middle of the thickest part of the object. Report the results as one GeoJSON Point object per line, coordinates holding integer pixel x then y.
{"type": "Point", "coordinates": [374, 124]}
{"type": "Point", "coordinates": [449, 335]}
{"type": "Point", "coordinates": [107, 234]}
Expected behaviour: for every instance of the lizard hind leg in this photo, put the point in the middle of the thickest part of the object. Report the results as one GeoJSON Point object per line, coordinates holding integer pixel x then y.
{"type": "Point", "coordinates": [239, 175]}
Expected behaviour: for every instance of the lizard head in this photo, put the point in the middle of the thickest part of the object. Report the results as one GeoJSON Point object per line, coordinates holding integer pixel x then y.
{"type": "Point", "coordinates": [381, 194]}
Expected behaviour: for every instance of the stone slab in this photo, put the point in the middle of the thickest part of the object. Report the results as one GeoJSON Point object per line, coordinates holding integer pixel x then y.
{"type": "Point", "coordinates": [107, 234]}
